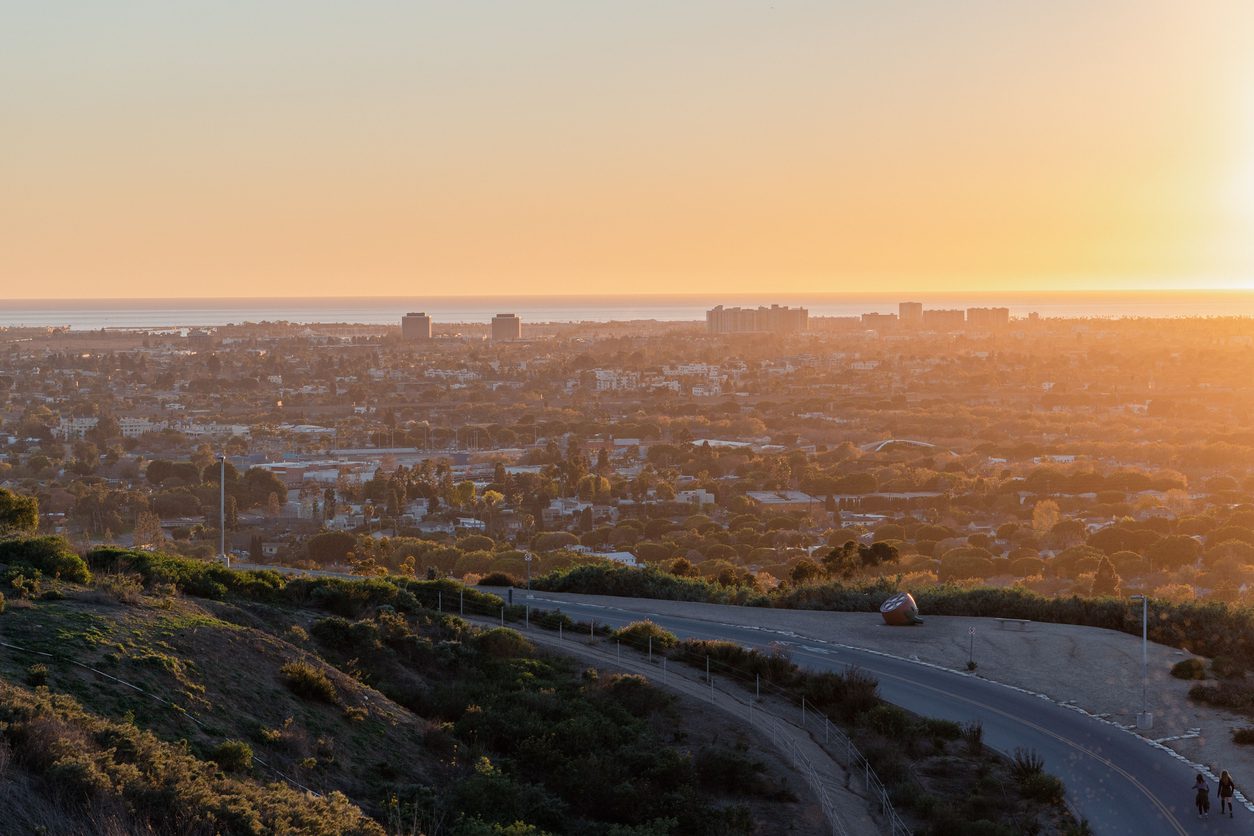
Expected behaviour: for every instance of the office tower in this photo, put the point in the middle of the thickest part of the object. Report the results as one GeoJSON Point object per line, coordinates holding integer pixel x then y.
{"type": "Point", "coordinates": [416, 326]}
{"type": "Point", "coordinates": [910, 314]}
{"type": "Point", "coordinates": [506, 326]}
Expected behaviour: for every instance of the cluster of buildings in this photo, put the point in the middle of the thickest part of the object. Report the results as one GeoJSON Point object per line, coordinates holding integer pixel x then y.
{"type": "Point", "coordinates": [776, 319]}
{"type": "Point", "coordinates": [417, 326]}
{"type": "Point", "coordinates": [913, 316]}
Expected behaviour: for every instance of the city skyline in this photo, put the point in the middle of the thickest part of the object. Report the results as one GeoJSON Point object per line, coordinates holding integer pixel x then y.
{"type": "Point", "coordinates": [303, 151]}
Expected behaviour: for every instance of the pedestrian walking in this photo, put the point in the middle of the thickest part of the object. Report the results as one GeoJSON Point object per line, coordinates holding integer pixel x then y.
{"type": "Point", "coordinates": [1227, 788]}
{"type": "Point", "coordinates": [1201, 796]}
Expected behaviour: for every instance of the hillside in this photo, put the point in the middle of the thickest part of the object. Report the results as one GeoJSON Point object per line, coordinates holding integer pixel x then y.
{"type": "Point", "coordinates": [328, 706]}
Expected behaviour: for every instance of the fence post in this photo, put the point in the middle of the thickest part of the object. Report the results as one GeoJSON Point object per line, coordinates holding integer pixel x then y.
{"type": "Point", "coordinates": [592, 630]}
{"type": "Point", "coordinates": [757, 684]}
{"type": "Point", "coordinates": [650, 648]}
{"type": "Point", "coordinates": [803, 711]}
{"type": "Point", "coordinates": [663, 668]}
{"type": "Point", "coordinates": [502, 616]}
{"type": "Point", "coordinates": [618, 647]}
{"type": "Point", "coordinates": [559, 629]}
{"type": "Point", "coordinates": [439, 600]}
{"type": "Point", "coordinates": [461, 602]}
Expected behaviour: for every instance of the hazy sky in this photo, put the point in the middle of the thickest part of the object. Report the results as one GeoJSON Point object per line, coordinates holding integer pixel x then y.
{"type": "Point", "coordinates": [336, 148]}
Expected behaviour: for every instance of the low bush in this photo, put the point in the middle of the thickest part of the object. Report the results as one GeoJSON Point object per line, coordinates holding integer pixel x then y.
{"type": "Point", "coordinates": [1234, 695]}
{"type": "Point", "coordinates": [1041, 787]}
{"type": "Point", "coordinates": [502, 643]}
{"type": "Point", "coordinates": [50, 556]}
{"type": "Point", "coordinates": [36, 675]}
{"type": "Point", "coordinates": [645, 634]}
{"type": "Point", "coordinates": [1025, 763]}
{"type": "Point", "coordinates": [123, 587]}
{"type": "Point", "coordinates": [599, 579]}
{"type": "Point", "coordinates": [550, 619]}
{"type": "Point", "coordinates": [233, 756]}
{"type": "Point", "coordinates": [308, 682]}
{"type": "Point", "coordinates": [498, 579]}
{"type": "Point", "coordinates": [1189, 669]}
{"type": "Point", "coordinates": [634, 693]}
{"type": "Point", "coordinates": [739, 661]}
{"type": "Point", "coordinates": [1243, 736]}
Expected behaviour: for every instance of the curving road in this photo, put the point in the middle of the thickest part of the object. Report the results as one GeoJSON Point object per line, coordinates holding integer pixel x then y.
{"type": "Point", "coordinates": [1116, 780]}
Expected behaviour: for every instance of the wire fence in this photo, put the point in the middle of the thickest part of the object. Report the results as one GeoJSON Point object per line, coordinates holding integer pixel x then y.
{"type": "Point", "coordinates": [825, 733]}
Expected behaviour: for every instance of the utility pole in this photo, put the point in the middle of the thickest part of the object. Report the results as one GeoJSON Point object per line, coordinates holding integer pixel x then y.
{"type": "Point", "coordinates": [1144, 720]}
{"type": "Point", "coordinates": [222, 510]}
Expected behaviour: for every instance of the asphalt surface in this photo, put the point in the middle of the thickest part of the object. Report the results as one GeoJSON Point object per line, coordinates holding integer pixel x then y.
{"type": "Point", "coordinates": [1117, 781]}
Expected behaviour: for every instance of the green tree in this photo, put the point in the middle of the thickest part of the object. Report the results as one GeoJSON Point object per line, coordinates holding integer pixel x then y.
{"type": "Point", "coordinates": [19, 513]}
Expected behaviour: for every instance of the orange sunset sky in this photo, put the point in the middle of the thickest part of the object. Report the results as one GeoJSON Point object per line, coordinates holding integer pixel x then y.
{"type": "Point", "coordinates": [407, 148]}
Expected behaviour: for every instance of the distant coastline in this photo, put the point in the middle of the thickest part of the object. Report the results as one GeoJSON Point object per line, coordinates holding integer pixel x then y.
{"type": "Point", "coordinates": [94, 314]}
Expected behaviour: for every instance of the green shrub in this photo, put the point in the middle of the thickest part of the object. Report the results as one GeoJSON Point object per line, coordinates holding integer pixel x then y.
{"type": "Point", "coordinates": [51, 556]}
{"type": "Point", "coordinates": [1189, 669]}
{"type": "Point", "coordinates": [639, 634]}
{"type": "Point", "coordinates": [736, 660]}
{"type": "Point", "coordinates": [1234, 695]}
{"type": "Point", "coordinates": [1025, 763]}
{"type": "Point", "coordinates": [550, 619]}
{"type": "Point", "coordinates": [308, 682]}
{"type": "Point", "coordinates": [1244, 736]}
{"type": "Point", "coordinates": [233, 756]}
{"type": "Point", "coordinates": [502, 643]}
{"type": "Point", "coordinates": [36, 675]}
{"type": "Point", "coordinates": [1043, 788]}
{"type": "Point", "coordinates": [498, 579]}
{"type": "Point", "coordinates": [634, 693]}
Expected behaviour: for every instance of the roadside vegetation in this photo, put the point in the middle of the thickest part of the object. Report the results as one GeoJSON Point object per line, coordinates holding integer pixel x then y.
{"type": "Point", "coordinates": [258, 704]}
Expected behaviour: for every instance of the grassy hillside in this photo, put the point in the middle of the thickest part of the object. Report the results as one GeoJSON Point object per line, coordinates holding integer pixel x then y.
{"type": "Point", "coordinates": [160, 695]}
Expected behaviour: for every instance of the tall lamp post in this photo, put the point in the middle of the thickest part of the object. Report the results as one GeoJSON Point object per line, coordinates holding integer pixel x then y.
{"type": "Point", "coordinates": [222, 510]}
{"type": "Point", "coordinates": [1144, 720]}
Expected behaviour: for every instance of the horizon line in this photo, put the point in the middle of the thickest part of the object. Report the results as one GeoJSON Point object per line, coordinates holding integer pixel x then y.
{"type": "Point", "coordinates": [1018, 293]}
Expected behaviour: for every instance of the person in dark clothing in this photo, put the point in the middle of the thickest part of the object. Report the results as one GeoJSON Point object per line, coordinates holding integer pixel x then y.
{"type": "Point", "coordinates": [1201, 796]}
{"type": "Point", "coordinates": [1227, 788]}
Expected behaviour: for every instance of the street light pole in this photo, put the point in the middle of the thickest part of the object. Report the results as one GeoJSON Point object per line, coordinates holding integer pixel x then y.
{"type": "Point", "coordinates": [1144, 720]}
{"type": "Point", "coordinates": [222, 510]}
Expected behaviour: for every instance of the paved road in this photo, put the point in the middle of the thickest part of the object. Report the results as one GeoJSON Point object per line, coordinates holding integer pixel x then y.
{"type": "Point", "coordinates": [1114, 779]}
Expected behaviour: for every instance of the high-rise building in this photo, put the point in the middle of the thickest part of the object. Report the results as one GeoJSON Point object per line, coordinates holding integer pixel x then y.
{"type": "Point", "coordinates": [506, 326]}
{"type": "Point", "coordinates": [910, 314]}
{"type": "Point", "coordinates": [941, 320]}
{"type": "Point", "coordinates": [776, 319]}
{"type": "Point", "coordinates": [987, 319]}
{"type": "Point", "coordinates": [416, 326]}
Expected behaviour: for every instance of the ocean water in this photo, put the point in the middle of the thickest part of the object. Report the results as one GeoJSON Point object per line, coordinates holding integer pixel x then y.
{"type": "Point", "coordinates": [94, 314]}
